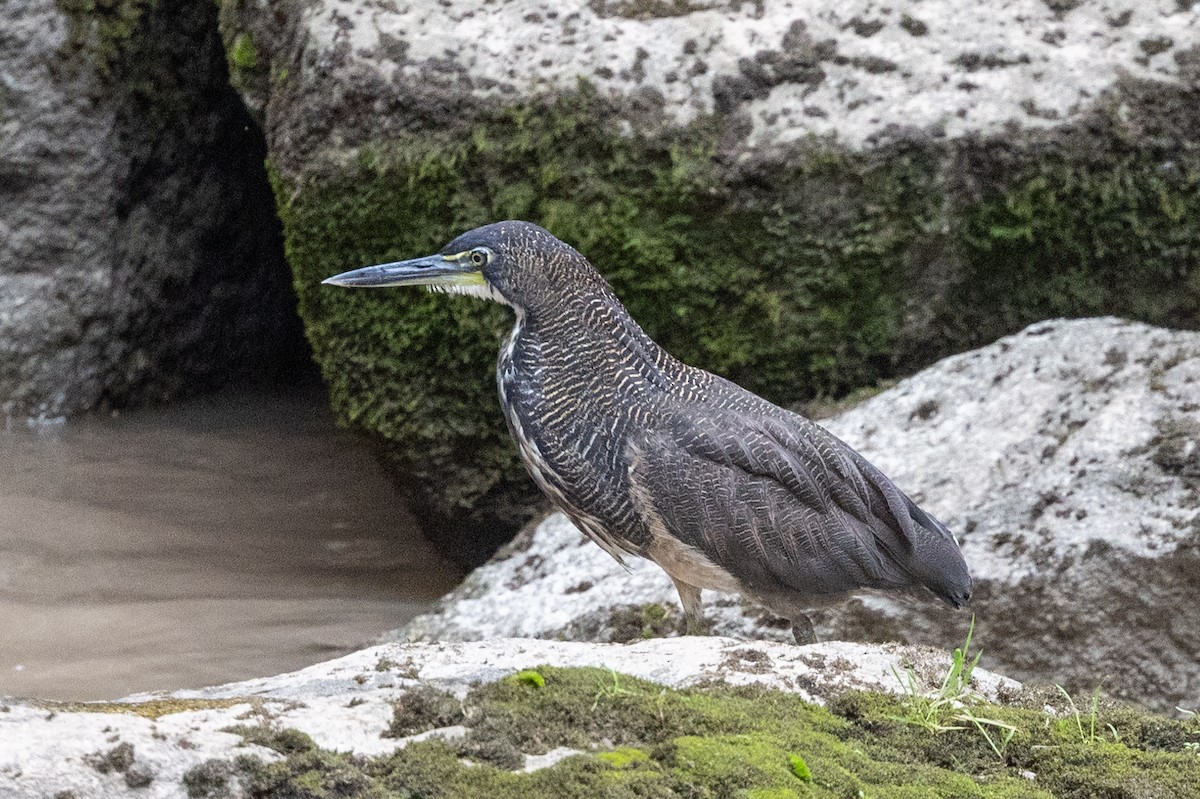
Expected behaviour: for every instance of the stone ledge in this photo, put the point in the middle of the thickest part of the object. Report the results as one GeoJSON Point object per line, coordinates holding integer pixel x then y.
{"type": "Point", "coordinates": [347, 705]}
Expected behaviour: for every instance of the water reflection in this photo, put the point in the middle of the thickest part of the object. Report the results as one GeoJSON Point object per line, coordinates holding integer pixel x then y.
{"type": "Point", "coordinates": [228, 537]}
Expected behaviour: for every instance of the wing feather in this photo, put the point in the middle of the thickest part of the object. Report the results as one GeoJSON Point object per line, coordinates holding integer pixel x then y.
{"type": "Point", "coordinates": [781, 503]}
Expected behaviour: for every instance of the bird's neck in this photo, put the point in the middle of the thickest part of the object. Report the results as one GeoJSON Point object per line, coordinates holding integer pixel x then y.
{"type": "Point", "coordinates": [592, 332]}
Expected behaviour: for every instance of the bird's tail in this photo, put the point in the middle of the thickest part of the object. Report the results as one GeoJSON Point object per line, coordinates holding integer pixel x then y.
{"type": "Point", "coordinates": [936, 559]}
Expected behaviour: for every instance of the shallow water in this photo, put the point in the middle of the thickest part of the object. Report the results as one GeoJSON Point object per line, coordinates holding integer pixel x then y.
{"type": "Point", "coordinates": [224, 538]}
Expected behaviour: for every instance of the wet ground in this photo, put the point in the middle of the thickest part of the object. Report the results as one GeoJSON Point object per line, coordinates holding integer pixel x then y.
{"type": "Point", "coordinates": [223, 538]}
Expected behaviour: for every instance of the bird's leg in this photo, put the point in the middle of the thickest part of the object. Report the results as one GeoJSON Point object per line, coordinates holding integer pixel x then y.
{"type": "Point", "coordinates": [802, 630]}
{"type": "Point", "coordinates": [689, 597]}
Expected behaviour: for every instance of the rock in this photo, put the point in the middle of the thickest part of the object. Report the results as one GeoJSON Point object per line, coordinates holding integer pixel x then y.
{"type": "Point", "coordinates": [187, 743]}
{"type": "Point", "coordinates": [804, 198]}
{"type": "Point", "coordinates": [870, 71]}
{"type": "Point", "coordinates": [140, 255]}
{"type": "Point", "coordinates": [1066, 458]}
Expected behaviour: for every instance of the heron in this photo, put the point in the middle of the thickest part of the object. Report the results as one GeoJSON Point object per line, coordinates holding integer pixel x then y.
{"type": "Point", "coordinates": [654, 458]}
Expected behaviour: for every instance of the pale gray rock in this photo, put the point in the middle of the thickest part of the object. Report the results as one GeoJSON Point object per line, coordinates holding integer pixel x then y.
{"type": "Point", "coordinates": [850, 71]}
{"type": "Point", "coordinates": [139, 253]}
{"type": "Point", "coordinates": [857, 61]}
{"type": "Point", "coordinates": [1067, 460]}
{"type": "Point", "coordinates": [57, 191]}
{"type": "Point", "coordinates": [347, 705]}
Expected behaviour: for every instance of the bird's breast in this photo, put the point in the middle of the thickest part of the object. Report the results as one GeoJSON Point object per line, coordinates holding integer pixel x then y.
{"type": "Point", "coordinates": [569, 438]}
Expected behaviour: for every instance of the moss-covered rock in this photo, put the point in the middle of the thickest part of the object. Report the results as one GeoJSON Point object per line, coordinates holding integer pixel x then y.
{"type": "Point", "coordinates": [692, 717]}
{"type": "Point", "coordinates": [638, 739]}
{"type": "Point", "coordinates": [799, 265]}
{"type": "Point", "coordinates": [809, 276]}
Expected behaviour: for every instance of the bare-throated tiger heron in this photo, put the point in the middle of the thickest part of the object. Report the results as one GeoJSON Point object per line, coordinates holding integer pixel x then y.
{"type": "Point", "coordinates": [655, 458]}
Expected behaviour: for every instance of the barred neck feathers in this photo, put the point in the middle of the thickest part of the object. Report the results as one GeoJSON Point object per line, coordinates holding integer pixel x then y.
{"type": "Point", "coordinates": [593, 330]}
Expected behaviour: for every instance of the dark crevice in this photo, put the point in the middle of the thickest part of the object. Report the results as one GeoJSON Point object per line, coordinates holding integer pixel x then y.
{"type": "Point", "coordinates": [198, 241]}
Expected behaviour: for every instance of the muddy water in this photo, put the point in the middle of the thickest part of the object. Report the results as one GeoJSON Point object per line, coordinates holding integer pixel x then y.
{"type": "Point", "coordinates": [224, 538]}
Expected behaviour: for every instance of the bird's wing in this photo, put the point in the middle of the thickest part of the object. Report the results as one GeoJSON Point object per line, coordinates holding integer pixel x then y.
{"type": "Point", "coordinates": [782, 504]}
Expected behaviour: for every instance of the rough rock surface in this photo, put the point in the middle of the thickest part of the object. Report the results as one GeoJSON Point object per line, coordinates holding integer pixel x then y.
{"type": "Point", "coordinates": [140, 256]}
{"type": "Point", "coordinates": [852, 71]}
{"type": "Point", "coordinates": [804, 196]}
{"type": "Point", "coordinates": [1066, 458]}
{"type": "Point", "coordinates": [143, 746]}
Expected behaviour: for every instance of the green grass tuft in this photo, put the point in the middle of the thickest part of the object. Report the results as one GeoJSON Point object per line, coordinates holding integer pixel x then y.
{"type": "Point", "coordinates": [950, 707]}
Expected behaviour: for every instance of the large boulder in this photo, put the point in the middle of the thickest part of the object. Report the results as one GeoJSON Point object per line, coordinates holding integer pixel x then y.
{"type": "Point", "coordinates": [140, 255]}
{"type": "Point", "coordinates": [804, 197]}
{"type": "Point", "coordinates": [1067, 460]}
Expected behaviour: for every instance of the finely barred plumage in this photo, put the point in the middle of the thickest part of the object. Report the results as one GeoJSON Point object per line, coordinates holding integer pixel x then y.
{"type": "Point", "coordinates": [655, 458]}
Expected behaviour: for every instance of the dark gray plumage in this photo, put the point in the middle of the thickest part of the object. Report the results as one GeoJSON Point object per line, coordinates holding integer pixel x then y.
{"type": "Point", "coordinates": [655, 458]}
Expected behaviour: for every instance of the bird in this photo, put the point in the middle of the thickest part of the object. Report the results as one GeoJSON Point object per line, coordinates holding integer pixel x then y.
{"type": "Point", "coordinates": [653, 458]}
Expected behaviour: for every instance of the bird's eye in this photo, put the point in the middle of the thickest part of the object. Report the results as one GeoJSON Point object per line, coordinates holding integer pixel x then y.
{"type": "Point", "coordinates": [479, 257]}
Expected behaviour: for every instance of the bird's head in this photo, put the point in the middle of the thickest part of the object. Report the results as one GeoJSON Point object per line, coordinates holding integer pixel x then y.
{"type": "Point", "coordinates": [515, 263]}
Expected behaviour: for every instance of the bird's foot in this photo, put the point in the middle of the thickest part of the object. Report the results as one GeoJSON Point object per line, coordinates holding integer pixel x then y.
{"type": "Point", "coordinates": [698, 625]}
{"type": "Point", "coordinates": [802, 631]}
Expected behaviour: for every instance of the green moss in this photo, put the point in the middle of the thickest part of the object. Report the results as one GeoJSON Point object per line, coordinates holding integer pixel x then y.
{"type": "Point", "coordinates": [1079, 233]}
{"type": "Point", "coordinates": [246, 69]}
{"type": "Point", "coordinates": [118, 759]}
{"type": "Point", "coordinates": [628, 623]}
{"type": "Point", "coordinates": [800, 768]}
{"type": "Point", "coordinates": [810, 274]}
{"type": "Point", "coordinates": [99, 31]}
{"type": "Point", "coordinates": [311, 775]}
{"type": "Point", "coordinates": [624, 757]}
{"type": "Point", "coordinates": [731, 763]}
{"type": "Point", "coordinates": [530, 677]}
{"type": "Point", "coordinates": [251, 41]}
{"type": "Point", "coordinates": [286, 741]}
{"type": "Point", "coordinates": [641, 740]}
{"type": "Point", "coordinates": [770, 793]}
{"type": "Point", "coordinates": [243, 54]}
{"type": "Point", "coordinates": [826, 407]}
{"type": "Point", "coordinates": [212, 779]}
{"type": "Point", "coordinates": [423, 708]}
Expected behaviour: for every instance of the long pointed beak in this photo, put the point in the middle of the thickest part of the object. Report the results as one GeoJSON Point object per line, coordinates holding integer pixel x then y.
{"type": "Point", "coordinates": [432, 270]}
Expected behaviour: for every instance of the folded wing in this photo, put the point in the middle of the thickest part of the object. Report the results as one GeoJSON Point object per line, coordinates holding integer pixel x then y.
{"type": "Point", "coordinates": [782, 504]}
